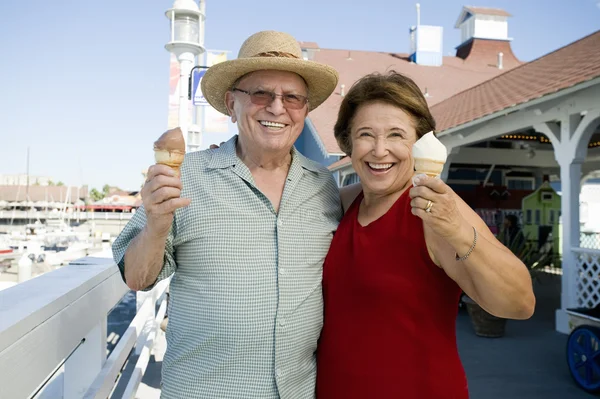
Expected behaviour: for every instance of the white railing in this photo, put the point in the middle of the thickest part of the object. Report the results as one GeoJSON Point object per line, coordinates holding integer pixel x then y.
{"type": "Point", "coordinates": [58, 321]}
{"type": "Point", "coordinates": [77, 215]}
{"type": "Point", "coordinates": [589, 240]}
{"type": "Point", "coordinates": [587, 277]}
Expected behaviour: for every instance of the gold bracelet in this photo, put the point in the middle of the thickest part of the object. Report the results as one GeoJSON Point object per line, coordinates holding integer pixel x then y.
{"type": "Point", "coordinates": [470, 249]}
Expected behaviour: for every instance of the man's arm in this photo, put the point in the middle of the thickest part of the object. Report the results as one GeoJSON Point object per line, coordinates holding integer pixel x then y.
{"type": "Point", "coordinates": [144, 249]}
{"type": "Point", "coordinates": [144, 260]}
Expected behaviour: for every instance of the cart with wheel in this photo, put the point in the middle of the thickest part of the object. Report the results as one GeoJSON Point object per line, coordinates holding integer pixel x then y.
{"type": "Point", "coordinates": [583, 347]}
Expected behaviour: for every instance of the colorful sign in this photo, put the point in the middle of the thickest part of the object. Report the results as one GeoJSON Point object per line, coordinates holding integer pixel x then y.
{"type": "Point", "coordinates": [173, 116]}
{"type": "Point", "coordinates": [198, 97]}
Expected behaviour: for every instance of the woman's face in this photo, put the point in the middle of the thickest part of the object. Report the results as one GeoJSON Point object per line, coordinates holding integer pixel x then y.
{"type": "Point", "coordinates": [382, 138]}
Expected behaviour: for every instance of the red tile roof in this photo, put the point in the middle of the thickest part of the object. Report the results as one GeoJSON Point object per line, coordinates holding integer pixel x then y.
{"type": "Point", "coordinates": [485, 52]}
{"type": "Point", "coordinates": [454, 76]}
{"type": "Point", "coordinates": [340, 163]}
{"type": "Point", "coordinates": [307, 45]}
{"type": "Point", "coordinates": [563, 68]}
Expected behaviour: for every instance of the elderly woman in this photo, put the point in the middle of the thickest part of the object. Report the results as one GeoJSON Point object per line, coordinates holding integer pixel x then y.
{"type": "Point", "coordinates": [394, 272]}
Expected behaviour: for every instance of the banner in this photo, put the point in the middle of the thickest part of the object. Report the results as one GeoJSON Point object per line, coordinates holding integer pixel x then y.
{"type": "Point", "coordinates": [214, 121]}
{"type": "Point", "coordinates": [173, 115]}
{"type": "Point", "coordinates": [215, 57]}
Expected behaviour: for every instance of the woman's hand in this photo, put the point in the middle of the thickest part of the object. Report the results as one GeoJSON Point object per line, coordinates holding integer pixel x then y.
{"type": "Point", "coordinates": [442, 214]}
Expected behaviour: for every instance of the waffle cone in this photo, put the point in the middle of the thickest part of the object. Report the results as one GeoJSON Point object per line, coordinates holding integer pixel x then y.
{"type": "Point", "coordinates": [430, 167]}
{"type": "Point", "coordinates": [172, 159]}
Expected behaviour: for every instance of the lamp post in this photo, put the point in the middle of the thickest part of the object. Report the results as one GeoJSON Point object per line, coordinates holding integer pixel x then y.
{"type": "Point", "coordinates": [185, 43]}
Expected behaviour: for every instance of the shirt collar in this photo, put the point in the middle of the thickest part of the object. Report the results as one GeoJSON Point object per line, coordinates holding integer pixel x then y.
{"type": "Point", "coordinates": [226, 156]}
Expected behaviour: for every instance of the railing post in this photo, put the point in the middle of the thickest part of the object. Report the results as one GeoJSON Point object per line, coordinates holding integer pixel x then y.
{"type": "Point", "coordinates": [84, 364]}
{"type": "Point", "coordinates": [140, 298]}
{"type": "Point", "coordinates": [24, 268]}
{"type": "Point", "coordinates": [569, 154]}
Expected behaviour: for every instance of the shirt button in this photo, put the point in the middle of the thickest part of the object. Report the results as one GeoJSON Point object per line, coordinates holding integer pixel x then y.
{"type": "Point", "coordinates": [282, 271]}
{"type": "Point", "coordinates": [282, 322]}
{"type": "Point", "coordinates": [278, 373]}
{"type": "Point", "coordinates": [279, 222]}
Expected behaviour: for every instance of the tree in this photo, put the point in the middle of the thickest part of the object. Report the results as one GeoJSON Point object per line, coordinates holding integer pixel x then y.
{"type": "Point", "coordinates": [60, 183]}
{"type": "Point", "coordinates": [105, 190]}
{"type": "Point", "coordinates": [96, 195]}
{"type": "Point", "coordinates": [50, 183]}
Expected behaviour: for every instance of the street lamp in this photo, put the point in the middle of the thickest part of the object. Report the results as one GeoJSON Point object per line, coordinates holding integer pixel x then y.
{"type": "Point", "coordinates": [186, 43]}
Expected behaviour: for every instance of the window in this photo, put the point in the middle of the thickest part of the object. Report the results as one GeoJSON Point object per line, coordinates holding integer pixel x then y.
{"type": "Point", "coordinates": [520, 183]}
{"type": "Point", "coordinates": [551, 216]}
{"type": "Point", "coordinates": [547, 196]}
{"type": "Point", "coordinates": [538, 216]}
{"type": "Point", "coordinates": [528, 216]}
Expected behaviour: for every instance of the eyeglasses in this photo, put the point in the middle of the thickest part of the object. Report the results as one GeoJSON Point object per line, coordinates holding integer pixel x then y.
{"type": "Point", "coordinates": [264, 97]}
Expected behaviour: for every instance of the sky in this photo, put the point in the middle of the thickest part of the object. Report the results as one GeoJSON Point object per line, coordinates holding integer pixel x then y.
{"type": "Point", "coordinates": [84, 84]}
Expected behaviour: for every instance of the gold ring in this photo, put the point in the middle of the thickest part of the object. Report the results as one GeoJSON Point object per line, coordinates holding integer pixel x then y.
{"type": "Point", "coordinates": [429, 206]}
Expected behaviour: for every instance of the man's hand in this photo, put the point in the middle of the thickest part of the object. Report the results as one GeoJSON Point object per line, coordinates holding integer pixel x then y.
{"type": "Point", "coordinates": [214, 146]}
{"type": "Point", "coordinates": [161, 196]}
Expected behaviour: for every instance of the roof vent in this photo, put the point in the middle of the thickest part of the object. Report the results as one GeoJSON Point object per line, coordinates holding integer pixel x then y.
{"type": "Point", "coordinates": [425, 43]}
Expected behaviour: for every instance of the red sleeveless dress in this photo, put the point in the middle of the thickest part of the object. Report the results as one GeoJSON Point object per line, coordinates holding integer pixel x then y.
{"type": "Point", "coordinates": [390, 314]}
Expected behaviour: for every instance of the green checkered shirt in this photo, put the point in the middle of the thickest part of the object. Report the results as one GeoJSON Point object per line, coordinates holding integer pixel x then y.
{"type": "Point", "coordinates": [245, 308]}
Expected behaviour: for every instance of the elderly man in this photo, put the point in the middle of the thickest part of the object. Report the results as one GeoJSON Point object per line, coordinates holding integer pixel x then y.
{"type": "Point", "coordinates": [244, 233]}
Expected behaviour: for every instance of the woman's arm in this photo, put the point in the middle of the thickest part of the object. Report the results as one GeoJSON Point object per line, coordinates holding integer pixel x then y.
{"type": "Point", "coordinates": [491, 275]}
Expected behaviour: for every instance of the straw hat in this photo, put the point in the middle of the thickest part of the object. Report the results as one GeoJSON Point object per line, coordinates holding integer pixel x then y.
{"type": "Point", "coordinates": [268, 50]}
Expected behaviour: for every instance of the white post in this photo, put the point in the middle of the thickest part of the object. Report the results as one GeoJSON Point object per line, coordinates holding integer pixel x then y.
{"type": "Point", "coordinates": [140, 298]}
{"type": "Point", "coordinates": [570, 176]}
{"type": "Point", "coordinates": [202, 61]}
{"type": "Point", "coordinates": [85, 363]}
{"type": "Point", "coordinates": [24, 268]}
{"type": "Point", "coordinates": [186, 62]}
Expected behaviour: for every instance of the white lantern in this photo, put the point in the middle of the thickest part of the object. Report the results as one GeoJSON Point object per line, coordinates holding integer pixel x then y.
{"type": "Point", "coordinates": [185, 17]}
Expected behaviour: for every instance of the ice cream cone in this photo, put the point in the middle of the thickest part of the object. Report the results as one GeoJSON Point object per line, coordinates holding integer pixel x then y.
{"type": "Point", "coordinates": [169, 150]}
{"type": "Point", "coordinates": [172, 159]}
{"type": "Point", "coordinates": [430, 167]}
{"type": "Point", "coordinates": [430, 155]}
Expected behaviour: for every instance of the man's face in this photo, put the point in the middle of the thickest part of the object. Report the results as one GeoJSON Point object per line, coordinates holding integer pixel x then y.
{"type": "Point", "coordinates": [273, 127]}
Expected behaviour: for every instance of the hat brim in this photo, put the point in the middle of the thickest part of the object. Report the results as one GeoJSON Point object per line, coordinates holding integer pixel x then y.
{"type": "Point", "coordinates": [219, 78]}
